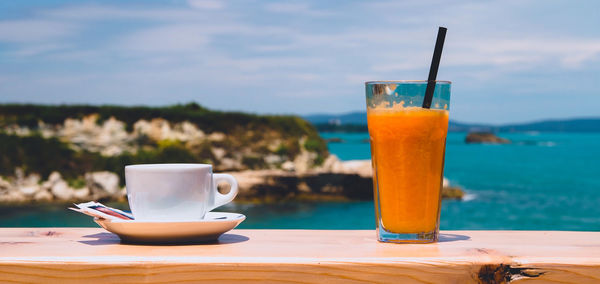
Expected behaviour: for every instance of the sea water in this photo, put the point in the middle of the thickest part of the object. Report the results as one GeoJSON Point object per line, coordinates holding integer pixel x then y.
{"type": "Point", "coordinates": [541, 181]}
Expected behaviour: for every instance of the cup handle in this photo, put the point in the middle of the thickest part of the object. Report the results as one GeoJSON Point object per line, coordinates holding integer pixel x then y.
{"type": "Point", "coordinates": [222, 199]}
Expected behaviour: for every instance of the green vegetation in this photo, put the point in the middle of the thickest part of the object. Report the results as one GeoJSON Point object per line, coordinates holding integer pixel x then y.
{"type": "Point", "coordinates": [35, 154]}
{"type": "Point", "coordinates": [248, 128]}
{"type": "Point", "coordinates": [77, 182]}
{"type": "Point", "coordinates": [315, 145]}
{"type": "Point", "coordinates": [207, 120]}
{"type": "Point", "coordinates": [249, 134]}
{"type": "Point", "coordinates": [254, 162]}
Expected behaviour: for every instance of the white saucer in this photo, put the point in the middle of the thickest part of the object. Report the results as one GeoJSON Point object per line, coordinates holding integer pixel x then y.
{"type": "Point", "coordinates": [210, 228]}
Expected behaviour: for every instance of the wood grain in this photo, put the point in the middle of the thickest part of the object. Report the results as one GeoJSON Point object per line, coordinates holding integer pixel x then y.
{"type": "Point", "coordinates": [65, 255]}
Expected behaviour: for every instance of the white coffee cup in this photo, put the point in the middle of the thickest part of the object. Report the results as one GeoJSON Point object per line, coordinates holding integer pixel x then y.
{"type": "Point", "coordinates": [175, 192]}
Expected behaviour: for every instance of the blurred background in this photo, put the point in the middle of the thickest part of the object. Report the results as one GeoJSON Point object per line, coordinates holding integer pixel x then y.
{"type": "Point", "coordinates": [273, 93]}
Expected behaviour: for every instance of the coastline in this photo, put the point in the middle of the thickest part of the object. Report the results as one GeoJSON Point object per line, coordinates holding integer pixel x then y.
{"type": "Point", "coordinates": [334, 180]}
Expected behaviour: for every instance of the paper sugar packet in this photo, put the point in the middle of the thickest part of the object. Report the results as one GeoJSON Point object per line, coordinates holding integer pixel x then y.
{"type": "Point", "coordinates": [99, 210]}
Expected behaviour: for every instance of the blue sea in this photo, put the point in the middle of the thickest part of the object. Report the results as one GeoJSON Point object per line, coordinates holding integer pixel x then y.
{"type": "Point", "coordinates": [542, 181]}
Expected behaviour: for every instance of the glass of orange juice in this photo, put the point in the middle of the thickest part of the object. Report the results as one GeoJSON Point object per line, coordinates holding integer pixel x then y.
{"type": "Point", "coordinates": [407, 153]}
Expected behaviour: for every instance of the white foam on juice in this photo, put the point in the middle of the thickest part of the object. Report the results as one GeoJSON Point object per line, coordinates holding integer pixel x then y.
{"type": "Point", "coordinates": [387, 107]}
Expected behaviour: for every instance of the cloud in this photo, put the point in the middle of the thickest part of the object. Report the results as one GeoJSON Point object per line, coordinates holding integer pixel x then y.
{"type": "Point", "coordinates": [295, 8]}
{"type": "Point", "coordinates": [40, 48]}
{"type": "Point", "coordinates": [103, 13]}
{"type": "Point", "coordinates": [37, 30]}
{"type": "Point", "coordinates": [173, 38]}
{"type": "Point", "coordinates": [206, 4]}
{"type": "Point", "coordinates": [256, 52]}
{"type": "Point", "coordinates": [532, 52]}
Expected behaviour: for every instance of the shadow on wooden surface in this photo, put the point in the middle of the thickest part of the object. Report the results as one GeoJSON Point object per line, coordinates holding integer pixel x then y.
{"type": "Point", "coordinates": [111, 239]}
{"type": "Point", "coordinates": [452, 238]}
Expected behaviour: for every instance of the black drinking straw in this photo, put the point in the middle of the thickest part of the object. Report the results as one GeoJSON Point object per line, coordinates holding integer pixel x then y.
{"type": "Point", "coordinates": [435, 64]}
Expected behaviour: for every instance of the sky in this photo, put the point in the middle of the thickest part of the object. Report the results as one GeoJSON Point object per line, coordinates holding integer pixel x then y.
{"type": "Point", "coordinates": [509, 61]}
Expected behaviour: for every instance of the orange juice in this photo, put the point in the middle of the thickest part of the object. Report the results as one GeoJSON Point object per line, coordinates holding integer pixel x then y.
{"type": "Point", "coordinates": [407, 150]}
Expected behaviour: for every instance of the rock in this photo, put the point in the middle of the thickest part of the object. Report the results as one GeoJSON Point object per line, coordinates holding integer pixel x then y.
{"type": "Point", "coordinates": [485, 137]}
{"type": "Point", "coordinates": [304, 161]}
{"type": "Point", "coordinates": [61, 190]}
{"type": "Point", "coordinates": [111, 138]}
{"type": "Point", "coordinates": [102, 184]}
{"type": "Point", "coordinates": [29, 190]}
{"type": "Point", "coordinates": [54, 177]}
{"type": "Point", "coordinates": [288, 166]}
{"type": "Point", "coordinates": [142, 127]}
{"type": "Point", "coordinates": [230, 164]}
{"type": "Point", "coordinates": [359, 167]}
{"type": "Point", "coordinates": [160, 129]}
{"type": "Point", "coordinates": [112, 130]}
{"type": "Point", "coordinates": [72, 128]}
{"type": "Point", "coordinates": [333, 165]}
{"type": "Point", "coordinates": [217, 136]}
{"type": "Point", "coordinates": [112, 150]}
{"type": "Point", "coordinates": [28, 185]}
{"type": "Point", "coordinates": [334, 180]}
{"type": "Point", "coordinates": [82, 194]}
{"type": "Point", "coordinates": [247, 179]}
{"type": "Point", "coordinates": [452, 192]}
{"type": "Point", "coordinates": [43, 196]}
{"type": "Point", "coordinates": [32, 179]}
{"type": "Point", "coordinates": [272, 159]}
{"type": "Point", "coordinates": [188, 131]}
{"type": "Point", "coordinates": [19, 175]}
{"type": "Point", "coordinates": [88, 123]}
{"type": "Point", "coordinates": [304, 188]}
{"type": "Point", "coordinates": [278, 185]}
{"type": "Point", "coordinates": [5, 186]}
{"type": "Point", "coordinates": [218, 152]}
{"type": "Point", "coordinates": [18, 131]}
{"type": "Point", "coordinates": [47, 130]}
{"type": "Point", "coordinates": [123, 193]}
{"type": "Point", "coordinates": [274, 145]}
{"type": "Point", "coordinates": [335, 140]}
{"type": "Point", "coordinates": [330, 163]}
{"type": "Point", "coordinates": [13, 196]}
{"type": "Point", "coordinates": [9, 193]}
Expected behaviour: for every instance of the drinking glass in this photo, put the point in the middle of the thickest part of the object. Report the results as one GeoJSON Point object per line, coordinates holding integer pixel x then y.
{"type": "Point", "coordinates": [407, 153]}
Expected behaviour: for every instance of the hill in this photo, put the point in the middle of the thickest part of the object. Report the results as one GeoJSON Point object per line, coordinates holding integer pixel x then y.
{"type": "Point", "coordinates": [76, 139]}
{"type": "Point", "coordinates": [357, 122]}
{"type": "Point", "coordinates": [566, 125]}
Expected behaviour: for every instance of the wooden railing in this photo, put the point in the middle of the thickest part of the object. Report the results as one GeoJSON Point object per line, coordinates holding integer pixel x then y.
{"type": "Point", "coordinates": [88, 255]}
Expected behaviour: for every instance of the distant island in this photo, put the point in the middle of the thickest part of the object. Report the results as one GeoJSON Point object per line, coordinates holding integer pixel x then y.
{"type": "Point", "coordinates": [357, 122]}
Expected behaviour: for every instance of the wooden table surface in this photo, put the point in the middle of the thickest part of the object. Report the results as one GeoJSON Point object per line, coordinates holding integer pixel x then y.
{"type": "Point", "coordinates": [89, 255]}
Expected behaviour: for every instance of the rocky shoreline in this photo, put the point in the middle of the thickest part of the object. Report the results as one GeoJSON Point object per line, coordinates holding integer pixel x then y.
{"type": "Point", "coordinates": [73, 153]}
{"type": "Point", "coordinates": [335, 180]}
{"type": "Point", "coordinates": [240, 142]}
{"type": "Point", "coordinates": [485, 138]}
